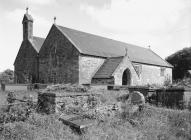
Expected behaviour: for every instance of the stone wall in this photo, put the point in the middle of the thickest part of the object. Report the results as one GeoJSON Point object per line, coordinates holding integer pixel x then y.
{"type": "Point", "coordinates": [25, 66]}
{"type": "Point", "coordinates": [88, 66]}
{"type": "Point", "coordinates": [59, 59]}
{"type": "Point", "coordinates": [149, 74]}
{"type": "Point", "coordinates": [118, 73]}
{"type": "Point", "coordinates": [152, 75]}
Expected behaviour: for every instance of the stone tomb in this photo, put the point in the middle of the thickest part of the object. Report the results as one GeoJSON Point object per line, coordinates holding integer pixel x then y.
{"type": "Point", "coordinates": [77, 123]}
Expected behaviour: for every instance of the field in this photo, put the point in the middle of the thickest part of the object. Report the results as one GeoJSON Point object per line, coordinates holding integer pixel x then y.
{"type": "Point", "coordinates": [152, 123]}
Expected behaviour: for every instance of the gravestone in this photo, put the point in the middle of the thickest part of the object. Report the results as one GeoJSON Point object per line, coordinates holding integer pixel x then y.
{"type": "Point", "coordinates": [137, 98]}
{"type": "Point", "coordinates": [78, 123]}
{"type": "Point", "coordinates": [134, 103]}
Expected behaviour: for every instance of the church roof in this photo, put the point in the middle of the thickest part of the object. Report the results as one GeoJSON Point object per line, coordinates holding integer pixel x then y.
{"type": "Point", "coordinates": [37, 43]}
{"type": "Point", "coordinates": [108, 67]}
{"type": "Point", "coordinates": [95, 45]}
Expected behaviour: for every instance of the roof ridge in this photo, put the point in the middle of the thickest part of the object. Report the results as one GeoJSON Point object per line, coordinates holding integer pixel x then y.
{"type": "Point", "coordinates": [100, 36]}
{"type": "Point", "coordinates": [95, 45]}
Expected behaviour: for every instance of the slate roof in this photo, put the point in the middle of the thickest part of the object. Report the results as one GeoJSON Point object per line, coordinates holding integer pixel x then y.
{"type": "Point", "coordinates": [108, 67]}
{"type": "Point", "coordinates": [37, 43]}
{"type": "Point", "coordinates": [95, 45]}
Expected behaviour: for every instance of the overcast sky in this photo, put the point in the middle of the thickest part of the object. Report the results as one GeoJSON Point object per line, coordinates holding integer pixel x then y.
{"type": "Point", "coordinates": [165, 25]}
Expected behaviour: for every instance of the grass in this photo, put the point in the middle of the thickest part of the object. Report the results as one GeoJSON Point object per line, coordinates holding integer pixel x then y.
{"type": "Point", "coordinates": [18, 94]}
{"type": "Point", "coordinates": [152, 123]}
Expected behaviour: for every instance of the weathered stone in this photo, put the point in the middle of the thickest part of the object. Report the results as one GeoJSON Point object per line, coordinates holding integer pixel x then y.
{"type": "Point", "coordinates": [59, 59]}
{"type": "Point", "coordinates": [26, 64]}
{"type": "Point", "coordinates": [88, 66]}
{"type": "Point", "coordinates": [136, 98]}
{"type": "Point", "coordinates": [76, 122]}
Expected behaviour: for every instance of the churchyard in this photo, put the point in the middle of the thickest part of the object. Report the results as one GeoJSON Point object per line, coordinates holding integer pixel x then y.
{"type": "Point", "coordinates": [78, 112]}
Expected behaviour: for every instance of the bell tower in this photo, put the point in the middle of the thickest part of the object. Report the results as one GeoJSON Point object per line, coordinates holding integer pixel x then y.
{"type": "Point", "coordinates": [27, 26]}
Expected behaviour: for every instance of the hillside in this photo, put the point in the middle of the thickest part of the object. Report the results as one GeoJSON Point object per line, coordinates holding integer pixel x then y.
{"type": "Point", "coordinates": [181, 60]}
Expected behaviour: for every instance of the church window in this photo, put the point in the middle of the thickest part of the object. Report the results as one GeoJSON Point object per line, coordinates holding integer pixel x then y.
{"type": "Point", "coordinates": [138, 69]}
{"type": "Point", "coordinates": [162, 71]}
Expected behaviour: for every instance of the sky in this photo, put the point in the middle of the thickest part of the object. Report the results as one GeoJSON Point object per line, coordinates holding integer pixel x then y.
{"type": "Point", "coordinates": [164, 25]}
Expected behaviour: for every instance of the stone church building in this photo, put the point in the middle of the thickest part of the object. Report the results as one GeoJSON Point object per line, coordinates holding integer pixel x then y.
{"type": "Point", "coordinates": [71, 56]}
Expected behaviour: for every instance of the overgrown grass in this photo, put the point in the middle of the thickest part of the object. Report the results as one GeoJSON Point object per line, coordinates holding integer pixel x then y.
{"type": "Point", "coordinates": [21, 122]}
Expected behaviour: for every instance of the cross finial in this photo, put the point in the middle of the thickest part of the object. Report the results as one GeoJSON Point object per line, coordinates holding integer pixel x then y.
{"type": "Point", "coordinates": [27, 9]}
{"type": "Point", "coordinates": [54, 20]}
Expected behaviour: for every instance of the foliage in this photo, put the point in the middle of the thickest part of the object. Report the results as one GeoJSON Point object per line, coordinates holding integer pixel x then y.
{"type": "Point", "coordinates": [160, 123]}
{"type": "Point", "coordinates": [67, 87]}
{"type": "Point", "coordinates": [37, 127]}
{"type": "Point", "coordinates": [181, 61]}
{"type": "Point", "coordinates": [21, 122]}
{"type": "Point", "coordinates": [16, 111]}
{"type": "Point", "coordinates": [167, 82]}
{"type": "Point", "coordinates": [11, 97]}
{"type": "Point", "coordinates": [7, 76]}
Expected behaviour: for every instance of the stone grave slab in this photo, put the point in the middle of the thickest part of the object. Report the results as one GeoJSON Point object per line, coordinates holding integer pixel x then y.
{"type": "Point", "coordinates": [78, 123]}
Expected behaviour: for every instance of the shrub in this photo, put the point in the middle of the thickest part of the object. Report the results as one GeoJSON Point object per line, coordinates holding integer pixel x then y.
{"type": "Point", "coordinates": [11, 97]}
{"type": "Point", "coordinates": [167, 82]}
{"type": "Point", "coordinates": [37, 127]}
{"type": "Point", "coordinates": [17, 111]}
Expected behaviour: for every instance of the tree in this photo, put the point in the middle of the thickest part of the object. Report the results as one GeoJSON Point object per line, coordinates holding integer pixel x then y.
{"type": "Point", "coordinates": [7, 76]}
{"type": "Point", "coordinates": [181, 61]}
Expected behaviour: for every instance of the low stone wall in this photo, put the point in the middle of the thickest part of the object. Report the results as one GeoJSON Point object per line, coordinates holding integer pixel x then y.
{"type": "Point", "coordinates": [14, 87]}
{"type": "Point", "coordinates": [172, 97]}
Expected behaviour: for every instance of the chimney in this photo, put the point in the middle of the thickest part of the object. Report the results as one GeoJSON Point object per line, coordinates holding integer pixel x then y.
{"type": "Point", "coordinates": [27, 26]}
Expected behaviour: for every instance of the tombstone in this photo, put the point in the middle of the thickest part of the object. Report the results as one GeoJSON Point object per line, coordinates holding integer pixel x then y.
{"type": "Point", "coordinates": [137, 98]}
{"type": "Point", "coordinates": [134, 103]}
{"type": "Point", "coordinates": [78, 123]}
{"type": "Point", "coordinates": [46, 103]}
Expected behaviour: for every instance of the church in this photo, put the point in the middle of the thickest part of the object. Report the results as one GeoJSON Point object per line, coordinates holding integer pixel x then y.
{"type": "Point", "coordinates": [71, 56]}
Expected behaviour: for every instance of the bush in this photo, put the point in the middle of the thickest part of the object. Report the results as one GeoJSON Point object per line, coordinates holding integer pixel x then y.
{"type": "Point", "coordinates": [152, 123]}
{"type": "Point", "coordinates": [16, 111]}
{"type": "Point", "coordinates": [7, 76]}
{"type": "Point", "coordinates": [11, 97]}
{"type": "Point", "coordinates": [37, 127]}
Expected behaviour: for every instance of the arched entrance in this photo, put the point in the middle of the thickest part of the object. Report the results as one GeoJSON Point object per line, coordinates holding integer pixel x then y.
{"type": "Point", "coordinates": [126, 78]}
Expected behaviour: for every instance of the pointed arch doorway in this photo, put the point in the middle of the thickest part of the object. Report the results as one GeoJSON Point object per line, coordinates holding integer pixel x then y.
{"type": "Point", "coordinates": [126, 78]}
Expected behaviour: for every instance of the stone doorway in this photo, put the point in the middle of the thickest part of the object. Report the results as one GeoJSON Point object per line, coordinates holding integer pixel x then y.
{"type": "Point", "coordinates": [126, 78]}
